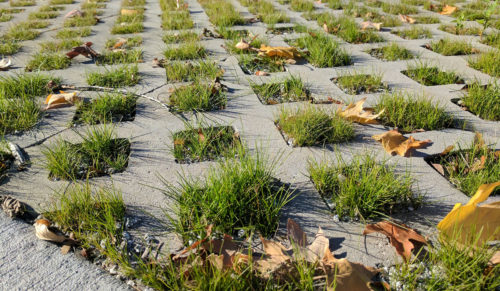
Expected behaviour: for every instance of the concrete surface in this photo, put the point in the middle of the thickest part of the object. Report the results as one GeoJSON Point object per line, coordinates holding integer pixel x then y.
{"type": "Point", "coordinates": [151, 131]}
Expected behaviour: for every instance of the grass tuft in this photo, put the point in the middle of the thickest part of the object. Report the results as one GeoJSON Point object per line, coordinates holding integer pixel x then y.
{"type": "Point", "coordinates": [310, 125]}
{"type": "Point", "coordinates": [449, 47]}
{"type": "Point", "coordinates": [188, 72]}
{"type": "Point", "coordinates": [483, 101]}
{"type": "Point", "coordinates": [291, 89]}
{"type": "Point", "coordinates": [48, 62]}
{"type": "Point", "coordinates": [126, 75]}
{"type": "Point", "coordinates": [487, 62]}
{"type": "Point", "coordinates": [415, 32]}
{"type": "Point", "coordinates": [197, 96]}
{"type": "Point", "coordinates": [322, 51]}
{"type": "Point", "coordinates": [357, 83]}
{"type": "Point", "coordinates": [363, 188]}
{"type": "Point", "coordinates": [186, 51]}
{"type": "Point", "coordinates": [106, 108]}
{"type": "Point", "coordinates": [431, 76]}
{"type": "Point", "coordinates": [392, 52]}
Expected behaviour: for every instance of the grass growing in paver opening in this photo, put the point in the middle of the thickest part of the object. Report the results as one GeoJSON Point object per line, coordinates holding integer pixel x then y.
{"type": "Point", "coordinates": [483, 101]}
{"type": "Point", "coordinates": [106, 108]}
{"type": "Point", "coordinates": [20, 33]}
{"type": "Point", "coordinates": [301, 5]}
{"type": "Point", "coordinates": [470, 167]}
{"type": "Point", "coordinates": [191, 71]}
{"type": "Point", "coordinates": [176, 20]}
{"type": "Point", "coordinates": [43, 15]}
{"type": "Point", "coordinates": [453, 29]}
{"type": "Point", "coordinates": [100, 153]}
{"type": "Point", "coordinates": [21, 3]}
{"type": "Point", "coordinates": [126, 75]}
{"type": "Point", "coordinates": [409, 112]}
{"type": "Point", "coordinates": [130, 42]}
{"type": "Point", "coordinates": [60, 2]}
{"type": "Point", "coordinates": [186, 51]}
{"type": "Point", "coordinates": [90, 213]}
{"type": "Point", "coordinates": [492, 39]}
{"type": "Point", "coordinates": [183, 36]}
{"type": "Point", "coordinates": [5, 17]}
{"type": "Point", "coordinates": [255, 42]}
{"type": "Point", "coordinates": [79, 21]}
{"type": "Point", "coordinates": [240, 193]}
{"type": "Point", "coordinates": [47, 62]}
{"type": "Point", "coordinates": [394, 8]}
{"type": "Point", "coordinates": [358, 83]}
{"type": "Point", "coordinates": [9, 47]}
{"type": "Point", "coordinates": [414, 32]}
{"type": "Point", "coordinates": [291, 89]}
{"type": "Point", "coordinates": [450, 47]}
{"type": "Point", "coordinates": [488, 63]}
{"type": "Point", "coordinates": [427, 19]}
{"type": "Point", "coordinates": [310, 126]}
{"type": "Point", "coordinates": [392, 52]}
{"type": "Point", "coordinates": [18, 114]}
{"type": "Point", "coordinates": [126, 28]}
{"type": "Point", "coordinates": [322, 51]}
{"type": "Point", "coordinates": [197, 144]}
{"type": "Point", "coordinates": [197, 96]}
{"type": "Point", "coordinates": [251, 63]}
{"type": "Point", "coordinates": [428, 75]}
{"type": "Point", "coordinates": [346, 28]}
{"type": "Point", "coordinates": [33, 24]}
{"type": "Point", "coordinates": [119, 57]}
{"type": "Point", "coordinates": [363, 188]}
{"type": "Point", "coordinates": [265, 11]}
{"type": "Point", "coordinates": [221, 13]}
{"type": "Point", "coordinates": [72, 33]}
{"type": "Point", "coordinates": [92, 6]}
{"type": "Point", "coordinates": [26, 84]}
{"type": "Point", "coordinates": [386, 20]}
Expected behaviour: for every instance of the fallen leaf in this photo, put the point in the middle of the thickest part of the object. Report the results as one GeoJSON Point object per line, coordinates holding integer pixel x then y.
{"type": "Point", "coordinates": [448, 9]}
{"type": "Point", "coordinates": [242, 45]}
{"type": "Point", "coordinates": [403, 238]}
{"type": "Point", "coordinates": [478, 140]}
{"type": "Point", "coordinates": [43, 232]}
{"type": "Point", "coordinates": [369, 24]}
{"type": "Point", "coordinates": [406, 18]}
{"type": "Point", "coordinates": [65, 249]}
{"type": "Point", "coordinates": [395, 143]}
{"type": "Point", "coordinates": [478, 164]}
{"type": "Point", "coordinates": [447, 150]}
{"type": "Point", "coordinates": [119, 42]}
{"type": "Point", "coordinates": [5, 64]}
{"type": "Point", "coordinates": [465, 222]}
{"type": "Point", "coordinates": [63, 98]}
{"type": "Point", "coordinates": [356, 113]}
{"type": "Point", "coordinates": [438, 168]}
{"type": "Point", "coordinates": [73, 13]}
{"type": "Point", "coordinates": [201, 136]}
{"type": "Point", "coordinates": [493, 261]}
{"type": "Point", "coordinates": [325, 28]}
{"type": "Point", "coordinates": [261, 73]}
{"type": "Point", "coordinates": [129, 12]}
{"type": "Point", "coordinates": [279, 51]}
{"type": "Point", "coordinates": [159, 63]}
{"type": "Point", "coordinates": [345, 275]}
{"type": "Point", "coordinates": [84, 50]}
{"type": "Point", "coordinates": [295, 233]}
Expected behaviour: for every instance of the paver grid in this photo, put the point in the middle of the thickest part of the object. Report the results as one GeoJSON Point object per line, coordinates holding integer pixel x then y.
{"type": "Point", "coordinates": [151, 131]}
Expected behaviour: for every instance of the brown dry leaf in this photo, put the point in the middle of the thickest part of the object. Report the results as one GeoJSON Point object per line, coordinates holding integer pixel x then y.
{"type": "Point", "coordinates": [73, 13]}
{"type": "Point", "coordinates": [318, 247]}
{"type": "Point", "coordinates": [276, 256]}
{"type": "Point", "coordinates": [242, 45]}
{"type": "Point", "coordinates": [478, 164]}
{"type": "Point", "coordinates": [201, 136]}
{"type": "Point", "coordinates": [448, 9]}
{"type": "Point", "coordinates": [5, 64]}
{"type": "Point", "coordinates": [325, 28]}
{"type": "Point", "coordinates": [406, 18]}
{"type": "Point", "coordinates": [84, 50]}
{"type": "Point", "coordinates": [279, 51]}
{"type": "Point", "coordinates": [261, 73]}
{"type": "Point", "coordinates": [395, 143]}
{"type": "Point", "coordinates": [403, 238]}
{"type": "Point", "coordinates": [119, 43]}
{"type": "Point", "coordinates": [438, 168]}
{"type": "Point", "coordinates": [369, 24]}
{"type": "Point", "coordinates": [63, 98]}
{"type": "Point", "coordinates": [356, 113]}
{"type": "Point", "coordinates": [495, 260]}
{"type": "Point", "coordinates": [464, 222]}
{"type": "Point", "coordinates": [347, 275]}
{"type": "Point", "coordinates": [158, 63]}
{"type": "Point", "coordinates": [43, 232]}
{"type": "Point", "coordinates": [65, 249]}
{"type": "Point", "coordinates": [129, 12]}
{"type": "Point", "coordinates": [478, 140]}
{"type": "Point", "coordinates": [295, 233]}
{"type": "Point", "coordinates": [447, 150]}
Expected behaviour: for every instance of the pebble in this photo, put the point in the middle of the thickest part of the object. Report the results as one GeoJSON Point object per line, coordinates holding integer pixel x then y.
{"type": "Point", "coordinates": [103, 243]}
{"type": "Point", "coordinates": [113, 270]}
{"type": "Point", "coordinates": [131, 283]}
{"type": "Point", "coordinates": [336, 218]}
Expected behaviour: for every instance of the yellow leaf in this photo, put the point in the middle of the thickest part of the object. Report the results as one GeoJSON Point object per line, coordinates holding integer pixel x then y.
{"type": "Point", "coordinates": [395, 143]}
{"type": "Point", "coordinates": [279, 51]}
{"type": "Point", "coordinates": [448, 9]}
{"type": "Point", "coordinates": [466, 221]}
{"type": "Point", "coordinates": [63, 98]}
{"type": "Point", "coordinates": [43, 232]}
{"type": "Point", "coordinates": [356, 113]}
{"type": "Point", "coordinates": [368, 24]}
{"type": "Point", "coordinates": [406, 18]}
{"type": "Point", "coordinates": [242, 45]}
{"type": "Point", "coordinates": [129, 12]}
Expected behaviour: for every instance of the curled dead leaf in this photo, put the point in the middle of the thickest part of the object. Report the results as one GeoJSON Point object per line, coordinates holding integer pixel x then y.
{"type": "Point", "coordinates": [12, 206]}
{"type": "Point", "coordinates": [119, 43]}
{"type": "Point", "coordinates": [129, 11]}
{"type": "Point", "coordinates": [43, 232]}
{"type": "Point", "coordinates": [369, 24]}
{"type": "Point", "coordinates": [448, 9]}
{"type": "Point", "coordinates": [73, 13]}
{"type": "Point", "coordinates": [395, 143]}
{"type": "Point", "coordinates": [403, 238]}
{"type": "Point", "coordinates": [406, 18]}
{"type": "Point", "coordinates": [261, 73]}
{"type": "Point", "coordinates": [295, 233]}
{"type": "Point", "coordinates": [356, 113]}
{"type": "Point", "coordinates": [5, 64]}
{"type": "Point", "coordinates": [465, 222]}
{"type": "Point", "coordinates": [279, 51]}
{"type": "Point", "coordinates": [447, 150]}
{"type": "Point", "coordinates": [63, 98]}
{"type": "Point", "coordinates": [84, 50]}
{"type": "Point", "coordinates": [242, 45]}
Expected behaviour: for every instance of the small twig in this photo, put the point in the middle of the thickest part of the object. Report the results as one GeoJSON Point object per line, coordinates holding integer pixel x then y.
{"type": "Point", "coordinates": [108, 89]}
